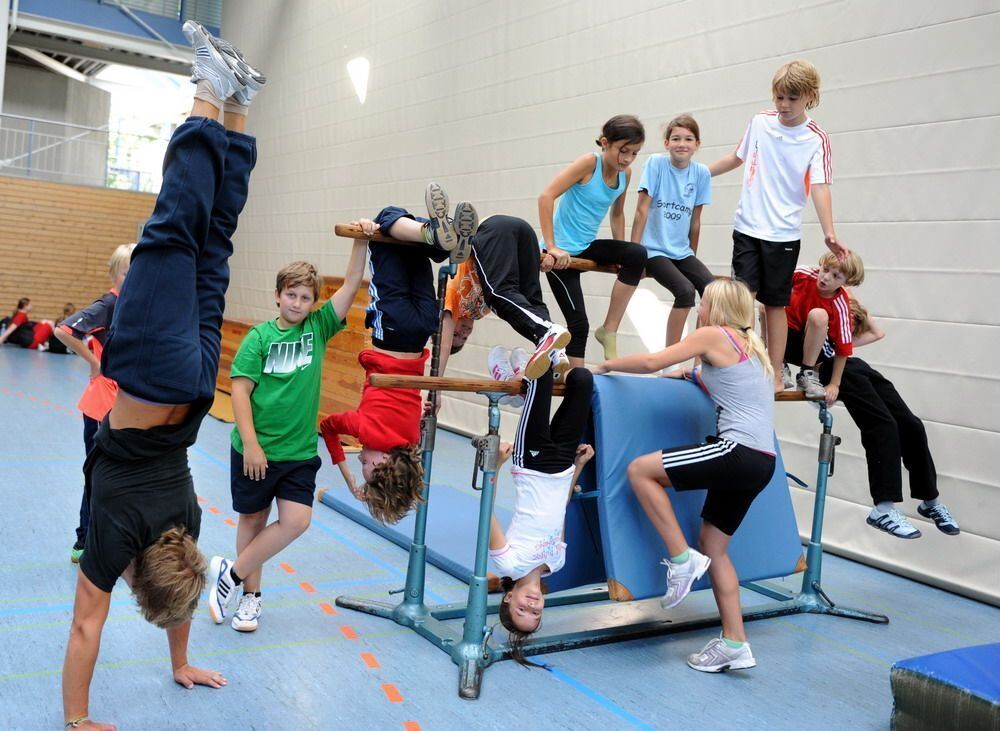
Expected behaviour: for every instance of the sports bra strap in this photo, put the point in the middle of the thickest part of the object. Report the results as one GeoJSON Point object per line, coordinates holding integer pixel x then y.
{"type": "Point", "coordinates": [732, 341]}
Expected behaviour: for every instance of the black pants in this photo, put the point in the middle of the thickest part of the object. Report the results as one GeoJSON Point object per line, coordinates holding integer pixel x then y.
{"type": "Point", "coordinates": [681, 277]}
{"type": "Point", "coordinates": [551, 447]}
{"type": "Point", "coordinates": [890, 433]}
{"type": "Point", "coordinates": [89, 431]}
{"type": "Point", "coordinates": [565, 284]}
{"type": "Point", "coordinates": [505, 251]}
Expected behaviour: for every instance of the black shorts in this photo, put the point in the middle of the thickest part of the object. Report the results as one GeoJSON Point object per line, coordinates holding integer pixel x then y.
{"type": "Point", "coordinates": [766, 267]}
{"type": "Point", "coordinates": [295, 481]}
{"type": "Point", "coordinates": [733, 475]}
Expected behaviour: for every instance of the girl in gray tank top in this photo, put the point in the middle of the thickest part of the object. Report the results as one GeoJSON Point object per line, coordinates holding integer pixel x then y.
{"type": "Point", "coordinates": [733, 465]}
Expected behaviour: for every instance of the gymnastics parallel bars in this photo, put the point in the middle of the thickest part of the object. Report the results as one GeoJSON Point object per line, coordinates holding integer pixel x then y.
{"type": "Point", "coordinates": [471, 650]}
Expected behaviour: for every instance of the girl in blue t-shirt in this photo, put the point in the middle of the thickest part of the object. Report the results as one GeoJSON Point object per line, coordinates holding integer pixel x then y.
{"type": "Point", "coordinates": [590, 186]}
{"type": "Point", "coordinates": [667, 222]}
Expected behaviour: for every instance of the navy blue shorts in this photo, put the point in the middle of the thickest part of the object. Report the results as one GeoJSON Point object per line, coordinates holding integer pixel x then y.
{"type": "Point", "coordinates": [733, 475]}
{"type": "Point", "coordinates": [294, 481]}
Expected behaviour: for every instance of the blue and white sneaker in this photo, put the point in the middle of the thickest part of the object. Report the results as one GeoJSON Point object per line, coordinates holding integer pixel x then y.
{"type": "Point", "coordinates": [893, 522]}
{"type": "Point", "coordinates": [221, 588]}
{"type": "Point", "coordinates": [941, 516]}
{"type": "Point", "coordinates": [681, 576]}
{"type": "Point", "coordinates": [717, 656]}
{"type": "Point", "coordinates": [248, 614]}
{"type": "Point", "coordinates": [210, 65]}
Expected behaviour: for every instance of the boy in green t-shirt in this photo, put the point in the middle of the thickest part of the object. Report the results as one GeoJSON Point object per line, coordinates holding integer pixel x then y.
{"type": "Point", "coordinates": [276, 375]}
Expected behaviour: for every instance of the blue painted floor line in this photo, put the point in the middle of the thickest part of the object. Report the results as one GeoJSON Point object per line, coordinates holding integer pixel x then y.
{"type": "Point", "coordinates": [599, 699]}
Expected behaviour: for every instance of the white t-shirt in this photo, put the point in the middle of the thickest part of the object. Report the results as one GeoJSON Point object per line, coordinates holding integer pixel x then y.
{"type": "Point", "coordinates": [534, 536]}
{"type": "Point", "coordinates": [675, 193]}
{"type": "Point", "coordinates": [780, 165]}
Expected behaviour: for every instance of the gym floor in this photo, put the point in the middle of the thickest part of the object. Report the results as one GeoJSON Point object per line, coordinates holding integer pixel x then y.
{"type": "Point", "coordinates": [312, 665]}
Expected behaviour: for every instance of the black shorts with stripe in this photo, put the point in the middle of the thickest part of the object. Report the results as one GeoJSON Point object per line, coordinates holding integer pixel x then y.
{"type": "Point", "coordinates": [733, 475]}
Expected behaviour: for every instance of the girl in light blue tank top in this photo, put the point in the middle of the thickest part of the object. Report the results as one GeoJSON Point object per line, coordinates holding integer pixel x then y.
{"type": "Point", "coordinates": [734, 464]}
{"type": "Point", "coordinates": [587, 190]}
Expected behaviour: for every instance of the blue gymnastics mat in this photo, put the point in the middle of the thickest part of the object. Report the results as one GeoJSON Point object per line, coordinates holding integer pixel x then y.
{"type": "Point", "coordinates": [956, 689]}
{"type": "Point", "coordinates": [634, 416]}
{"type": "Point", "coordinates": [452, 523]}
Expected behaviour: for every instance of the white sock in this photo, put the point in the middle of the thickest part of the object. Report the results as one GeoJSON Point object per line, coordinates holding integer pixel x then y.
{"type": "Point", "coordinates": [205, 92]}
{"type": "Point", "coordinates": [234, 107]}
{"type": "Point", "coordinates": [930, 503]}
{"type": "Point", "coordinates": [884, 507]}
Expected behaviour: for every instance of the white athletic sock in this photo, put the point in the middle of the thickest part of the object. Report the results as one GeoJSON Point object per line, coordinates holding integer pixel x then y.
{"type": "Point", "coordinates": [884, 507]}
{"type": "Point", "coordinates": [234, 107]}
{"type": "Point", "coordinates": [930, 503]}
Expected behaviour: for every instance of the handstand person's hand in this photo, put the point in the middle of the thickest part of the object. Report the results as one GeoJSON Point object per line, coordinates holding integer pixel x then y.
{"type": "Point", "coordinates": [584, 453]}
{"type": "Point", "coordinates": [189, 677]}
{"type": "Point", "coordinates": [254, 461]}
{"type": "Point", "coordinates": [368, 227]}
{"type": "Point", "coordinates": [352, 485]}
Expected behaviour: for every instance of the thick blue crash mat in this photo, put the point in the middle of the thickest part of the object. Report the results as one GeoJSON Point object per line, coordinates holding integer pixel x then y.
{"type": "Point", "coordinates": [958, 689]}
{"type": "Point", "coordinates": [634, 416]}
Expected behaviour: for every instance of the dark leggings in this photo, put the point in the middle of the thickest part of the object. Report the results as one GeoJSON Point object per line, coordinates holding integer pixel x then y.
{"type": "Point", "coordinates": [565, 285]}
{"type": "Point", "coordinates": [551, 447]}
{"type": "Point", "coordinates": [681, 277]}
{"type": "Point", "coordinates": [89, 431]}
{"type": "Point", "coordinates": [890, 433]}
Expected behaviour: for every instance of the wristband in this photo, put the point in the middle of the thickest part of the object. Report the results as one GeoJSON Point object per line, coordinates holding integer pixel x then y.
{"type": "Point", "coordinates": [77, 722]}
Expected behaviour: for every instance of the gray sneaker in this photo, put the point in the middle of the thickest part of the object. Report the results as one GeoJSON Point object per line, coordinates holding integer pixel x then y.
{"type": "Point", "coordinates": [209, 64]}
{"type": "Point", "coordinates": [466, 223]}
{"type": "Point", "coordinates": [681, 576]}
{"type": "Point", "coordinates": [253, 80]}
{"type": "Point", "coordinates": [442, 227]}
{"type": "Point", "coordinates": [808, 381]}
{"type": "Point", "coordinates": [717, 656]}
{"type": "Point", "coordinates": [245, 619]}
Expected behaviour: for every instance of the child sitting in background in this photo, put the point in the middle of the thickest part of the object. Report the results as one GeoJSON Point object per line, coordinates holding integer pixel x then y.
{"type": "Point", "coordinates": [818, 308]}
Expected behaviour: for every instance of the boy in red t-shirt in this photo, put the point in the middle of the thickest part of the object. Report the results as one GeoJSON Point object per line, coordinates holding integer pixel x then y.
{"type": "Point", "coordinates": [818, 308]}
{"type": "Point", "coordinates": [99, 396]}
{"type": "Point", "coordinates": [402, 315]}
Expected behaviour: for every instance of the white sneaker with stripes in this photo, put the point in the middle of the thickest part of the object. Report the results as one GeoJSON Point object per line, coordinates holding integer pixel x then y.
{"type": "Point", "coordinates": [893, 522]}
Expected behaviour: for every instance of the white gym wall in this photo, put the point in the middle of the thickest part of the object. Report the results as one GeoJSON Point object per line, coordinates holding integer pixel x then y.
{"type": "Point", "coordinates": [492, 99]}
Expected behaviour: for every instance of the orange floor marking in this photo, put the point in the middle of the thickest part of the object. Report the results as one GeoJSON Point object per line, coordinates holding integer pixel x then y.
{"type": "Point", "coordinates": [230, 521]}
{"type": "Point", "coordinates": [202, 499]}
{"type": "Point", "coordinates": [391, 693]}
{"type": "Point", "coordinates": [288, 569]}
{"type": "Point", "coordinates": [370, 660]}
{"type": "Point", "coordinates": [214, 511]}
{"type": "Point", "coordinates": [32, 398]}
{"type": "Point", "coordinates": [327, 609]}
{"type": "Point", "coordinates": [45, 402]}
{"type": "Point", "coordinates": [349, 633]}
{"type": "Point", "coordinates": [307, 587]}
{"type": "Point", "coordinates": [411, 726]}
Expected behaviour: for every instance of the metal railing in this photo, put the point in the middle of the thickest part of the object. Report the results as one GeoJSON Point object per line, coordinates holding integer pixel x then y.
{"type": "Point", "coordinates": [72, 153]}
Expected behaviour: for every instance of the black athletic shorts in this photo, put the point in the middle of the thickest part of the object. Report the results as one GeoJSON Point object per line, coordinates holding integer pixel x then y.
{"type": "Point", "coordinates": [766, 267]}
{"type": "Point", "coordinates": [295, 481]}
{"type": "Point", "coordinates": [733, 475]}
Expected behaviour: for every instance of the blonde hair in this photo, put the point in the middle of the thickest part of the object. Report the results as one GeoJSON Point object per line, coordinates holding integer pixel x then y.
{"type": "Point", "coordinates": [169, 577]}
{"type": "Point", "coordinates": [850, 266]}
{"type": "Point", "coordinates": [298, 274]}
{"type": "Point", "coordinates": [730, 303]}
{"type": "Point", "coordinates": [120, 260]}
{"type": "Point", "coordinates": [797, 77]}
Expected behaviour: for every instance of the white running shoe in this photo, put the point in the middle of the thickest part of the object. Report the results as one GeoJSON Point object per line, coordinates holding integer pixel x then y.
{"type": "Point", "coordinates": [717, 656]}
{"type": "Point", "coordinates": [221, 588]}
{"type": "Point", "coordinates": [894, 523]}
{"type": "Point", "coordinates": [518, 361]}
{"type": "Point", "coordinates": [442, 227]}
{"type": "Point", "coordinates": [253, 80]}
{"type": "Point", "coordinates": [786, 377]}
{"type": "Point", "coordinates": [808, 381]}
{"type": "Point", "coordinates": [209, 64]}
{"type": "Point", "coordinates": [245, 619]}
{"type": "Point", "coordinates": [556, 337]}
{"type": "Point", "coordinates": [680, 577]}
{"type": "Point", "coordinates": [499, 363]}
